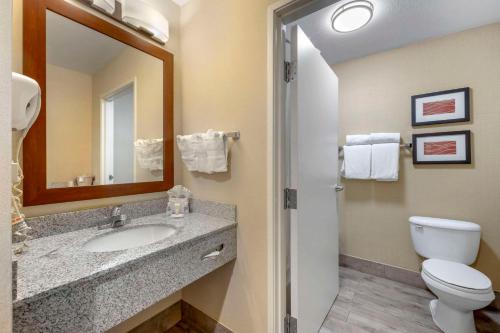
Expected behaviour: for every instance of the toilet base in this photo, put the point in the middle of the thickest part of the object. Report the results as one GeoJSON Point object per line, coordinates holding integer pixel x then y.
{"type": "Point", "coordinates": [451, 320]}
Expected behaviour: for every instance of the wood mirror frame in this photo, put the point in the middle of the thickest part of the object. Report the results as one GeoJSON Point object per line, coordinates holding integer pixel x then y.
{"type": "Point", "coordinates": [34, 66]}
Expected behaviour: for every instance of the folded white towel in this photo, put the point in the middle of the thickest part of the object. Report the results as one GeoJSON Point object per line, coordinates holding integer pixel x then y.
{"type": "Point", "coordinates": [385, 161]}
{"type": "Point", "coordinates": [384, 138]}
{"type": "Point", "coordinates": [216, 151]}
{"type": "Point", "coordinates": [358, 139]}
{"type": "Point", "coordinates": [204, 152]}
{"type": "Point", "coordinates": [200, 152]}
{"type": "Point", "coordinates": [357, 162]}
{"type": "Point", "coordinates": [149, 153]}
{"type": "Point", "coordinates": [187, 146]}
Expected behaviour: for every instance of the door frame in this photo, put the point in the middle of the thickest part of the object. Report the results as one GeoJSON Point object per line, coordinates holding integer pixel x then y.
{"type": "Point", "coordinates": [105, 143]}
{"type": "Point", "coordinates": [103, 99]}
{"type": "Point", "coordinates": [279, 14]}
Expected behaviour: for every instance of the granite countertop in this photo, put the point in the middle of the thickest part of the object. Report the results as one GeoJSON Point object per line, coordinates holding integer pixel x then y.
{"type": "Point", "coordinates": [59, 260]}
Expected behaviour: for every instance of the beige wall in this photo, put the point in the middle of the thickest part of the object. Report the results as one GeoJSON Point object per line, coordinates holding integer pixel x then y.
{"type": "Point", "coordinates": [146, 72]}
{"type": "Point", "coordinates": [375, 97]}
{"type": "Point", "coordinates": [5, 182]}
{"type": "Point", "coordinates": [69, 124]}
{"type": "Point", "coordinates": [172, 12]}
{"type": "Point", "coordinates": [224, 87]}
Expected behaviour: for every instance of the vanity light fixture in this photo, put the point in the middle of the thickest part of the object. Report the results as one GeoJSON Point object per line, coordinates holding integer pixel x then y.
{"type": "Point", "coordinates": [142, 16]}
{"type": "Point", "coordinates": [107, 5]}
{"type": "Point", "coordinates": [352, 16]}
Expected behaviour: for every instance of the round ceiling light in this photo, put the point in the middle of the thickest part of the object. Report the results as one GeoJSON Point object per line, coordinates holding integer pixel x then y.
{"type": "Point", "coordinates": [352, 16]}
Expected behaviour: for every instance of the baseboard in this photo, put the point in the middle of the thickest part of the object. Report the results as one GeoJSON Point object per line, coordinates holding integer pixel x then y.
{"type": "Point", "coordinates": [496, 302]}
{"type": "Point", "coordinates": [393, 273]}
{"type": "Point", "coordinates": [198, 320]}
{"type": "Point", "coordinates": [180, 314]}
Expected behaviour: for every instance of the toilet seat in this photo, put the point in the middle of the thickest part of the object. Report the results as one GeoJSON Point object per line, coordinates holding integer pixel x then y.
{"type": "Point", "coordinates": [457, 276]}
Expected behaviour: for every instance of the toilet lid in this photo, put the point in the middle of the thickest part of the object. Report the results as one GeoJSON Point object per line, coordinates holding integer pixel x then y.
{"type": "Point", "coordinates": [456, 274]}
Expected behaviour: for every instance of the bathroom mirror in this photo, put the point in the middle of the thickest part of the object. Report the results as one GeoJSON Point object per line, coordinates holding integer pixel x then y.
{"type": "Point", "coordinates": [104, 108]}
{"type": "Point", "coordinates": [105, 128]}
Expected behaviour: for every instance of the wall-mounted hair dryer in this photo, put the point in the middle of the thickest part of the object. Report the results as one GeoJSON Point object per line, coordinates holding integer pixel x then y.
{"type": "Point", "coordinates": [26, 104]}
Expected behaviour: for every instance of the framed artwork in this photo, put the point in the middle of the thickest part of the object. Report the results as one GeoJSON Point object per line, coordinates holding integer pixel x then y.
{"type": "Point", "coordinates": [442, 148]}
{"type": "Point", "coordinates": [441, 107]}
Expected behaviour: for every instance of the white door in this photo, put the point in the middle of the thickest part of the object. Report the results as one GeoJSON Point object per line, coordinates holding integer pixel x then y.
{"type": "Point", "coordinates": [118, 134]}
{"type": "Point", "coordinates": [313, 172]}
{"type": "Point", "coordinates": [123, 140]}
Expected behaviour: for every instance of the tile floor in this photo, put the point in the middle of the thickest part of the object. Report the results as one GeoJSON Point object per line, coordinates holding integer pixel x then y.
{"type": "Point", "coordinates": [369, 304]}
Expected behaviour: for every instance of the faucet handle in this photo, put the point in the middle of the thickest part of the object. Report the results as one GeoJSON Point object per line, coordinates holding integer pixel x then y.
{"type": "Point", "coordinates": [116, 210]}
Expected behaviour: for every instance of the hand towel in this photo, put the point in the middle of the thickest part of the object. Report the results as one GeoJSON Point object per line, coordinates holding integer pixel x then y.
{"type": "Point", "coordinates": [385, 162]}
{"type": "Point", "coordinates": [204, 152]}
{"type": "Point", "coordinates": [357, 162]}
{"type": "Point", "coordinates": [359, 139]}
{"type": "Point", "coordinates": [187, 146]}
{"type": "Point", "coordinates": [216, 152]}
{"type": "Point", "coordinates": [376, 138]}
{"type": "Point", "coordinates": [200, 152]}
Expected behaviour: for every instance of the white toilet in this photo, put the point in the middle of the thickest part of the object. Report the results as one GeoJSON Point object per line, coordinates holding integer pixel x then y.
{"type": "Point", "coordinates": [451, 246]}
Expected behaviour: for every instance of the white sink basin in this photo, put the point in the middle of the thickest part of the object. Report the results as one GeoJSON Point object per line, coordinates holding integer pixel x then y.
{"type": "Point", "coordinates": [129, 238]}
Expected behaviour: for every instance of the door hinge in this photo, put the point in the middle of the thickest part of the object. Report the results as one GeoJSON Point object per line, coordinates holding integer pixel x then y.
{"type": "Point", "coordinates": [290, 198]}
{"type": "Point", "coordinates": [290, 71]}
{"type": "Point", "coordinates": [290, 324]}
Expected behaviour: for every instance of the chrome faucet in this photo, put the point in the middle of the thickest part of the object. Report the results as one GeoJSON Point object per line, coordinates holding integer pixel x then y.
{"type": "Point", "coordinates": [117, 219]}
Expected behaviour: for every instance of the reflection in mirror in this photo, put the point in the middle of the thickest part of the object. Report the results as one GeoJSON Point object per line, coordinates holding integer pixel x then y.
{"type": "Point", "coordinates": [104, 109]}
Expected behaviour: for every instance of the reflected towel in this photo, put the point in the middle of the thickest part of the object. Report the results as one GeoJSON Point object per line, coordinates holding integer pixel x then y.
{"type": "Point", "coordinates": [150, 153]}
{"type": "Point", "coordinates": [385, 162]}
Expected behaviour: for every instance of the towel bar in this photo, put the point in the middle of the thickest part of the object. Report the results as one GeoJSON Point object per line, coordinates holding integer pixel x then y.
{"type": "Point", "coordinates": [234, 135]}
{"type": "Point", "coordinates": [402, 146]}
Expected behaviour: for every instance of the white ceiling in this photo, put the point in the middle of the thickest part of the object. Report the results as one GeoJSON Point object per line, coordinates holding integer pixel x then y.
{"type": "Point", "coordinates": [74, 46]}
{"type": "Point", "coordinates": [397, 23]}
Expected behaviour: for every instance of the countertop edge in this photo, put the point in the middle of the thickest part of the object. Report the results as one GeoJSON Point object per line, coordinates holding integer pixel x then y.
{"type": "Point", "coordinates": [20, 302]}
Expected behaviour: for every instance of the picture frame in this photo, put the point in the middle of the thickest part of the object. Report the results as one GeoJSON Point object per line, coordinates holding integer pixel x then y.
{"type": "Point", "coordinates": [441, 107]}
{"type": "Point", "coordinates": [442, 148]}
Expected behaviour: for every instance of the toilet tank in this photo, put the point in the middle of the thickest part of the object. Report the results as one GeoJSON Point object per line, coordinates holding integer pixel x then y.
{"type": "Point", "coordinates": [452, 240]}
